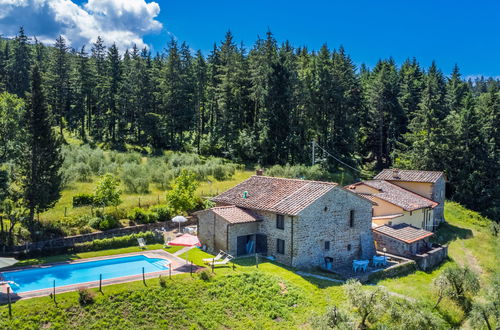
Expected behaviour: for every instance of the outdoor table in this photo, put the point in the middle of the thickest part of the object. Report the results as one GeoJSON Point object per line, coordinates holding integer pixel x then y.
{"type": "Point", "coordinates": [379, 260]}
{"type": "Point", "coordinates": [359, 264]}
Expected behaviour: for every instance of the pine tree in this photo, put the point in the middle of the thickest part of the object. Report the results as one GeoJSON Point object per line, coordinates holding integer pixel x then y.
{"type": "Point", "coordinates": [96, 119]}
{"type": "Point", "coordinates": [456, 90]}
{"type": "Point", "coordinates": [114, 115]}
{"type": "Point", "coordinates": [83, 83]}
{"type": "Point", "coordinates": [3, 69]}
{"type": "Point", "coordinates": [411, 81]}
{"type": "Point", "coordinates": [200, 97]}
{"type": "Point", "coordinates": [279, 104]}
{"type": "Point", "coordinates": [426, 141]}
{"type": "Point", "coordinates": [59, 83]}
{"type": "Point", "coordinates": [19, 68]}
{"type": "Point", "coordinates": [386, 119]}
{"type": "Point", "coordinates": [41, 160]}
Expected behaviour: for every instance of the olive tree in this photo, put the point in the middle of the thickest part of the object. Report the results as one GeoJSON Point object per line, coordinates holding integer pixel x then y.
{"type": "Point", "coordinates": [369, 304]}
{"type": "Point", "coordinates": [457, 283]}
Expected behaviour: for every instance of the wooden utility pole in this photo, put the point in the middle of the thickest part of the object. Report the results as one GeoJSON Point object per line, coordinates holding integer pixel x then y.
{"type": "Point", "coordinates": [313, 152]}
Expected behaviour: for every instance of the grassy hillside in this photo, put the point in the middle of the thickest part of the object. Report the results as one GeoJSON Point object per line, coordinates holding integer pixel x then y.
{"type": "Point", "coordinates": [271, 296]}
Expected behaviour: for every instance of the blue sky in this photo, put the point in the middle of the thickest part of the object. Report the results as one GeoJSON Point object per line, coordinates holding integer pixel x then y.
{"type": "Point", "coordinates": [462, 32]}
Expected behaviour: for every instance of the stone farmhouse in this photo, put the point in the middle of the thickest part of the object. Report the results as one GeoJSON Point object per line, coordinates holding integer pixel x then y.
{"type": "Point", "coordinates": [428, 184]}
{"type": "Point", "coordinates": [300, 223]}
{"type": "Point", "coordinates": [396, 205]}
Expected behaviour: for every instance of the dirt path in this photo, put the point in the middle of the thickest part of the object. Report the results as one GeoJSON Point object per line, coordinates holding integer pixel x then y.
{"type": "Point", "coordinates": [471, 260]}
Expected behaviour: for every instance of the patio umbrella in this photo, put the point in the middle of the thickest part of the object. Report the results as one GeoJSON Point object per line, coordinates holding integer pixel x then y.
{"type": "Point", "coordinates": [6, 262]}
{"type": "Point", "coordinates": [179, 219]}
{"type": "Point", "coordinates": [187, 240]}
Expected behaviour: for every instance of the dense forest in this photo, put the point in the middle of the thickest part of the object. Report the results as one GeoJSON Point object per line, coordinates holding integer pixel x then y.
{"type": "Point", "coordinates": [262, 104]}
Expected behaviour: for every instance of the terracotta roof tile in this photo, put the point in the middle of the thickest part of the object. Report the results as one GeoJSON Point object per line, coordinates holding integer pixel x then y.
{"type": "Point", "coordinates": [409, 175]}
{"type": "Point", "coordinates": [280, 195]}
{"type": "Point", "coordinates": [234, 214]}
{"type": "Point", "coordinates": [396, 195]}
{"type": "Point", "coordinates": [403, 232]}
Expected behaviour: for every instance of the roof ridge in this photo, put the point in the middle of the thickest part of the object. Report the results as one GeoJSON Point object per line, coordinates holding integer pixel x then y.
{"type": "Point", "coordinates": [331, 183]}
{"type": "Point", "coordinates": [404, 189]}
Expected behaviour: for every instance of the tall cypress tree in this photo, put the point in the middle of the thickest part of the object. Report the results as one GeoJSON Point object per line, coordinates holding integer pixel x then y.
{"type": "Point", "coordinates": [41, 160]}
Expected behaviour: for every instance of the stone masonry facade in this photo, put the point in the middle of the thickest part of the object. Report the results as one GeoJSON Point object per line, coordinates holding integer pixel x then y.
{"type": "Point", "coordinates": [328, 220]}
{"type": "Point", "coordinates": [305, 235]}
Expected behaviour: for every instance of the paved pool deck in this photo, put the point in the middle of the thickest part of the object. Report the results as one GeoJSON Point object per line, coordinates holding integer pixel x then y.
{"type": "Point", "coordinates": [177, 266]}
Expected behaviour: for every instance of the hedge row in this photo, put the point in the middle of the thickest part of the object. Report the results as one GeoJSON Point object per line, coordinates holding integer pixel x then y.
{"type": "Point", "coordinates": [117, 242]}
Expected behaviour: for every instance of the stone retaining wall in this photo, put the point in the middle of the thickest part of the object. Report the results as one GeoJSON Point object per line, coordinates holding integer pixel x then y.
{"type": "Point", "coordinates": [431, 258]}
{"type": "Point", "coordinates": [72, 240]}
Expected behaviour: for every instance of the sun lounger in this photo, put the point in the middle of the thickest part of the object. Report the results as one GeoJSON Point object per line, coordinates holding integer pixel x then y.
{"type": "Point", "coordinates": [226, 260]}
{"type": "Point", "coordinates": [216, 258]}
{"type": "Point", "coordinates": [142, 243]}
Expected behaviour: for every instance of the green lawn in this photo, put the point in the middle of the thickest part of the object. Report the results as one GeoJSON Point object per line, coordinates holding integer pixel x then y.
{"type": "Point", "coordinates": [244, 296]}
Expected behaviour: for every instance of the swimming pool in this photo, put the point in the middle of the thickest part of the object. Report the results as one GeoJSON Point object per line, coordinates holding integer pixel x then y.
{"type": "Point", "coordinates": [81, 272]}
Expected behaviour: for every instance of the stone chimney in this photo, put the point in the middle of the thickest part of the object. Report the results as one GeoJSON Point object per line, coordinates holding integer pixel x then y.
{"type": "Point", "coordinates": [259, 172]}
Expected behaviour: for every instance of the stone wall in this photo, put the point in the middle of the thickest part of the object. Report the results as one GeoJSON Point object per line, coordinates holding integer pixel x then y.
{"type": "Point", "coordinates": [400, 269]}
{"type": "Point", "coordinates": [268, 228]}
{"type": "Point", "coordinates": [398, 247]}
{"type": "Point", "coordinates": [432, 258]}
{"type": "Point", "coordinates": [72, 240]}
{"type": "Point", "coordinates": [206, 229]}
{"type": "Point", "coordinates": [328, 220]}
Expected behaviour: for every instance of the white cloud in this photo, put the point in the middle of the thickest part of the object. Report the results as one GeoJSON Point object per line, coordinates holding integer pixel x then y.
{"type": "Point", "coordinates": [122, 21]}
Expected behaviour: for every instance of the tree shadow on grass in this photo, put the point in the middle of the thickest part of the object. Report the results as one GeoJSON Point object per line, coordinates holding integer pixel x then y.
{"type": "Point", "coordinates": [447, 233]}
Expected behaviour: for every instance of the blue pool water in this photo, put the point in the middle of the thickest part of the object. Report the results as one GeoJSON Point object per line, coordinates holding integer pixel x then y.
{"type": "Point", "coordinates": [69, 274]}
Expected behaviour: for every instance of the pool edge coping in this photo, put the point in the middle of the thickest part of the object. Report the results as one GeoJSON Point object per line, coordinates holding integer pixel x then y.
{"type": "Point", "coordinates": [159, 253]}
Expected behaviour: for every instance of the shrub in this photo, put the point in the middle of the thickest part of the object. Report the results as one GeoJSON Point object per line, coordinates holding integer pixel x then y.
{"type": "Point", "coordinates": [152, 217]}
{"type": "Point", "coordinates": [94, 222]}
{"type": "Point", "coordinates": [103, 222]}
{"type": "Point", "coordinates": [108, 222]}
{"type": "Point", "coordinates": [163, 282]}
{"type": "Point", "coordinates": [117, 242]}
{"type": "Point", "coordinates": [107, 192]}
{"type": "Point", "coordinates": [139, 215]}
{"type": "Point", "coordinates": [85, 296]}
{"type": "Point", "coordinates": [85, 230]}
{"type": "Point", "coordinates": [83, 200]}
{"type": "Point", "coordinates": [163, 212]}
{"type": "Point", "coordinates": [205, 275]}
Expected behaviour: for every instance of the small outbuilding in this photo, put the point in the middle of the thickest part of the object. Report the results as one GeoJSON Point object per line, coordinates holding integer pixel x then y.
{"type": "Point", "coordinates": [401, 239]}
